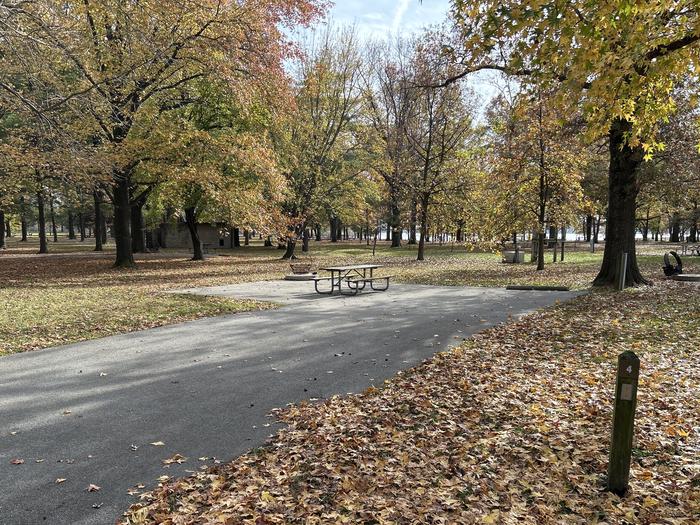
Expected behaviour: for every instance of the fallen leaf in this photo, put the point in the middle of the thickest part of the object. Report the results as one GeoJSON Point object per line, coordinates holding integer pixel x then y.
{"type": "Point", "coordinates": [175, 458]}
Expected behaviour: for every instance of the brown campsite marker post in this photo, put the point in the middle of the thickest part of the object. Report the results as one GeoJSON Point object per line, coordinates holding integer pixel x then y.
{"type": "Point", "coordinates": [623, 423]}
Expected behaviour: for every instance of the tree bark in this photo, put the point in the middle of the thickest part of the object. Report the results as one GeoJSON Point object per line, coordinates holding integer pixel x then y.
{"type": "Point", "coordinates": [246, 238]}
{"type": "Point", "coordinates": [54, 231]}
{"type": "Point", "coordinates": [645, 227]}
{"type": "Point", "coordinates": [334, 229]}
{"type": "Point", "coordinates": [122, 220]}
{"type": "Point", "coordinates": [318, 233]}
{"type": "Point", "coordinates": [589, 228]}
{"type": "Point", "coordinates": [98, 221]}
{"type": "Point", "coordinates": [71, 226]}
{"type": "Point", "coordinates": [23, 218]}
{"type": "Point", "coordinates": [305, 240]}
{"type": "Point", "coordinates": [43, 245]}
{"type": "Point", "coordinates": [236, 237]}
{"type": "Point", "coordinates": [423, 228]}
{"type": "Point", "coordinates": [395, 219]}
{"type": "Point", "coordinates": [104, 225]}
{"type": "Point", "coordinates": [675, 227]}
{"type": "Point", "coordinates": [412, 229]}
{"type": "Point", "coordinates": [8, 228]}
{"type": "Point", "coordinates": [191, 219]}
{"type": "Point", "coordinates": [289, 250]}
{"type": "Point", "coordinates": [694, 223]}
{"type": "Point", "coordinates": [620, 227]}
{"type": "Point", "coordinates": [81, 226]}
{"type": "Point", "coordinates": [540, 250]}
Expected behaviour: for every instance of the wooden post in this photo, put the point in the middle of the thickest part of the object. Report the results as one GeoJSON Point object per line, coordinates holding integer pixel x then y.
{"type": "Point", "coordinates": [623, 423]}
{"type": "Point", "coordinates": [622, 279]}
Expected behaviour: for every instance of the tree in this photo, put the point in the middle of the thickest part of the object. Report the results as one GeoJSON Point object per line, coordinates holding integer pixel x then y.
{"type": "Point", "coordinates": [319, 139]}
{"type": "Point", "coordinates": [533, 171]}
{"type": "Point", "coordinates": [440, 128]}
{"type": "Point", "coordinates": [618, 61]}
{"type": "Point", "coordinates": [215, 163]}
{"type": "Point", "coordinates": [119, 63]}
{"type": "Point", "coordinates": [388, 93]}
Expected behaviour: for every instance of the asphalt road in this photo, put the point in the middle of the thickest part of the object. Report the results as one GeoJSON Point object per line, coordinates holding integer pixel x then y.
{"type": "Point", "coordinates": [87, 413]}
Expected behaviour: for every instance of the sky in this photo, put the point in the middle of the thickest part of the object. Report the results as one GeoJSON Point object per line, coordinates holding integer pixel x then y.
{"type": "Point", "coordinates": [381, 18]}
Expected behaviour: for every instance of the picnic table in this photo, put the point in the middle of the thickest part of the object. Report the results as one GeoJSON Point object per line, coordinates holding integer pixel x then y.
{"type": "Point", "coordinates": [355, 278]}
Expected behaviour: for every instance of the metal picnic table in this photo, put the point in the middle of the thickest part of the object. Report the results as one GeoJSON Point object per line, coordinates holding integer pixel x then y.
{"type": "Point", "coordinates": [355, 277]}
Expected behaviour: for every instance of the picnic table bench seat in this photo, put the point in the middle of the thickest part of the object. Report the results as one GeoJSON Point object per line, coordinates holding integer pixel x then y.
{"type": "Point", "coordinates": [358, 283]}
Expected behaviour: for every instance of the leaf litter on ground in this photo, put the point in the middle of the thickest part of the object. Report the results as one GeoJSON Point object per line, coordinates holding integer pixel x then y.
{"type": "Point", "coordinates": [511, 427]}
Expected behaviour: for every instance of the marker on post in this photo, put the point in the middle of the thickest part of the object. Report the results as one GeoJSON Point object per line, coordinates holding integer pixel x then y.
{"type": "Point", "coordinates": [623, 423]}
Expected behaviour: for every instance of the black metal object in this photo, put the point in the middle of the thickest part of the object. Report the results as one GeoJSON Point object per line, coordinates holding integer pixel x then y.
{"type": "Point", "coordinates": [670, 269]}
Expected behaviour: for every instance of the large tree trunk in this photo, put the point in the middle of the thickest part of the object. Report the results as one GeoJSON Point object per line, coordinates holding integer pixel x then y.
{"type": "Point", "coordinates": [236, 238]}
{"type": "Point", "coordinates": [620, 227]}
{"type": "Point", "coordinates": [191, 219]}
{"type": "Point", "coordinates": [71, 226]}
{"type": "Point", "coordinates": [289, 249]}
{"type": "Point", "coordinates": [318, 233]}
{"type": "Point", "coordinates": [246, 238]}
{"type": "Point", "coordinates": [694, 223]}
{"type": "Point", "coordinates": [99, 221]}
{"type": "Point", "coordinates": [334, 229]}
{"type": "Point", "coordinates": [122, 220]}
{"type": "Point", "coordinates": [43, 245]}
{"type": "Point", "coordinates": [8, 227]}
{"type": "Point", "coordinates": [675, 229]}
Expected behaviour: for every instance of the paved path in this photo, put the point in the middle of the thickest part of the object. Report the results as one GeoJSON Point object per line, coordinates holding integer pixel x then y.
{"type": "Point", "coordinates": [87, 412]}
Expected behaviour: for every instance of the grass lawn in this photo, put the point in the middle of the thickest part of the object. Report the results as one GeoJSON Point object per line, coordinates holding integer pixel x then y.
{"type": "Point", "coordinates": [74, 294]}
{"type": "Point", "coordinates": [511, 427]}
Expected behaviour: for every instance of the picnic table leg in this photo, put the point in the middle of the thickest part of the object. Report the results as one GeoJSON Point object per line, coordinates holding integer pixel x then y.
{"type": "Point", "coordinates": [330, 292]}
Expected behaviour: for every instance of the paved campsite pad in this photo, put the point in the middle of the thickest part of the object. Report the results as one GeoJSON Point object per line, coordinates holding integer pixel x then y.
{"type": "Point", "coordinates": [88, 412]}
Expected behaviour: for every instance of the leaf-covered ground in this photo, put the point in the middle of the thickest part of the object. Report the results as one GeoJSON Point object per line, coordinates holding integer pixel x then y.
{"type": "Point", "coordinates": [511, 427]}
{"type": "Point", "coordinates": [74, 294]}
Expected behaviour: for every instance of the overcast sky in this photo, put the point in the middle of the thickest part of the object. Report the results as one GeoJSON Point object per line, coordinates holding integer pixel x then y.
{"type": "Point", "coordinates": [380, 18]}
